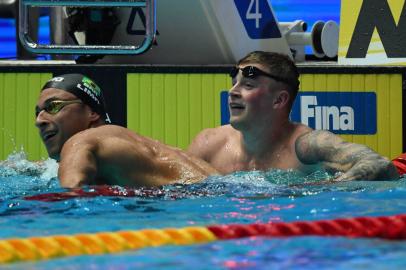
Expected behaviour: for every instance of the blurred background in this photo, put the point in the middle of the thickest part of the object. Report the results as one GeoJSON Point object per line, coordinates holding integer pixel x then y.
{"type": "Point", "coordinates": [286, 11]}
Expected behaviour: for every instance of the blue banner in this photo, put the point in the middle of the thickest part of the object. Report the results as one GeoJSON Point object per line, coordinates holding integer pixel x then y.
{"type": "Point", "coordinates": [338, 112]}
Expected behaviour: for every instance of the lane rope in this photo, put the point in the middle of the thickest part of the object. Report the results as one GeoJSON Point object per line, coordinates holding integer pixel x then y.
{"type": "Point", "coordinates": [48, 247]}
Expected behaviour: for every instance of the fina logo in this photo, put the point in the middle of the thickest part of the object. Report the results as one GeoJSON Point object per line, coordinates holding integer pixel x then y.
{"type": "Point", "coordinates": [338, 112]}
{"type": "Point", "coordinates": [326, 117]}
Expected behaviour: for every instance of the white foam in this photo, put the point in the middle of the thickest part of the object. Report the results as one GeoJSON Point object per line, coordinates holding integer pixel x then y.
{"type": "Point", "coordinates": [18, 164]}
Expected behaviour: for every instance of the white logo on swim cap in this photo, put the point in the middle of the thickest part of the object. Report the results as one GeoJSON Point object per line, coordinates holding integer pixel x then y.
{"type": "Point", "coordinates": [107, 120]}
{"type": "Point", "coordinates": [88, 92]}
{"type": "Point", "coordinates": [57, 79]}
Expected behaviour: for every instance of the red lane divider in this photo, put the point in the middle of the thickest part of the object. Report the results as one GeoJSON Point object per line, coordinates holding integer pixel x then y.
{"type": "Point", "coordinates": [390, 227]}
{"type": "Point", "coordinates": [400, 164]}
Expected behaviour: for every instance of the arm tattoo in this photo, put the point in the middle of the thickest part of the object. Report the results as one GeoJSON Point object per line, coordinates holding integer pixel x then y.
{"type": "Point", "coordinates": [354, 160]}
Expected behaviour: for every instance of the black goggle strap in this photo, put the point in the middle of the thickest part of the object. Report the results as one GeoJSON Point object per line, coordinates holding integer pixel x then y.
{"type": "Point", "coordinates": [234, 71]}
{"type": "Point", "coordinates": [253, 72]}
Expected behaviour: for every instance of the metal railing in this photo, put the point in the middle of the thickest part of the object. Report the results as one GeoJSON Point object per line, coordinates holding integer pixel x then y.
{"type": "Point", "coordinates": [150, 28]}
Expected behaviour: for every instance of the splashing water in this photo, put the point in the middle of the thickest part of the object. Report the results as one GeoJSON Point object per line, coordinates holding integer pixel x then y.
{"type": "Point", "coordinates": [18, 164]}
{"type": "Point", "coordinates": [19, 176]}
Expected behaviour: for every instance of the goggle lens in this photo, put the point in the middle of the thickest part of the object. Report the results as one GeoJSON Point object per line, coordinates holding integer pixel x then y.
{"type": "Point", "coordinates": [54, 106]}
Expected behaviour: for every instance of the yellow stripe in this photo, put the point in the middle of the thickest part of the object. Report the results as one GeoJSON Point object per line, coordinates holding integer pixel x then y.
{"type": "Point", "coordinates": [7, 253]}
{"type": "Point", "coordinates": [113, 241]}
{"type": "Point", "coordinates": [70, 245]}
{"type": "Point", "coordinates": [36, 248]}
{"type": "Point", "coordinates": [92, 244]}
{"type": "Point", "coordinates": [47, 247]}
{"type": "Point", "coordinates": [157, 237]}
{"type": "Point", "coordinates": [135, 240]}
{"type": "Point", "coordinates": [173, 108]}
{"type": "Point", "coordinates": [25, 249]}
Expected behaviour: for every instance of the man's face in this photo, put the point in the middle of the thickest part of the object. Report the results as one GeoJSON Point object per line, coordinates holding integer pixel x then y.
{"type": "Point", "coordinates": [58, 121]}
{"type": "Point", "coordinates": [251, 99]}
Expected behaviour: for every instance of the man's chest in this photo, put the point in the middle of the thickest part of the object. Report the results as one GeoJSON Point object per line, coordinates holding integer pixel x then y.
{"type": "Point", "coordinates": [237, 160]}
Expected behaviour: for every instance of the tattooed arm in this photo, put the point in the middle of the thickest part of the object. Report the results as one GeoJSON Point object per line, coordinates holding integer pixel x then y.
{"type": "Point", "coordinates": [355, 161]}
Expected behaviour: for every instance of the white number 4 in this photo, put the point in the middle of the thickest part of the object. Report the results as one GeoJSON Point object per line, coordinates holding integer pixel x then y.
{"type": "Point", "coordinates": [254, 15]}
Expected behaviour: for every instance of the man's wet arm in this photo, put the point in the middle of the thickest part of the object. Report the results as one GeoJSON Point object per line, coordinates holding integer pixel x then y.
{"type": "Point", "coordinates": [78, 165]}
{"type": "Point", "coordinates": [355, 160]}
{"type": "Point", "coordinates": [332, 150]}
{"type": "Point", "coordinates": [318, 146]}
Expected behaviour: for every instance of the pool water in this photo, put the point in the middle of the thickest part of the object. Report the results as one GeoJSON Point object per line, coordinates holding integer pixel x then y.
{"type": "Point", "coordinates": [255, 197]}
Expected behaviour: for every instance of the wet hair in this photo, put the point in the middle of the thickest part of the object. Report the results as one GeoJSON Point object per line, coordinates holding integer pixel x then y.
{"type": "Point", "coordinates": [279, 65]}
{"type": "Point", "coordinates": [83, 88]}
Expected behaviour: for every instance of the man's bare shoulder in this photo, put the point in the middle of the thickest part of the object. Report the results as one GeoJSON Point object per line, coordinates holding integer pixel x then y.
{"type": "Point", "coordinates": [214, 135]}
{"type": "Point", "coordinates": [217, 132]}
{"type": "Point", "coordinates": [104, 131]}
{"type": "Point", "coordinates": [317, 136]}
{"type": "Point", "coordinates": [210, 140]}
{"type": "Point", "coordinates": [100, 135]}
{"type": "Point", "coordinates": [107, 142]}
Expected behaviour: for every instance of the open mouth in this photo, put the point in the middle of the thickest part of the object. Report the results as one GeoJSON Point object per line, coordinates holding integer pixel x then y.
{"type": "Point", "coordinates": [236, 106]}
{"type": "Point", "coordinates": [48, 135]}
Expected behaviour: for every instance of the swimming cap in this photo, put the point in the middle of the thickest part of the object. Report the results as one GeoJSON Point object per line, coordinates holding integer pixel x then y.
{"type": "Point", "coordinates": [82, 87]}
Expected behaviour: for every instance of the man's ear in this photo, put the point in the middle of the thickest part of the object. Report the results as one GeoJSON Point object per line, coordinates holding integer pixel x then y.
{"type": "Point", "coordinates": [94, 117]}
{"type": "Point", "coordinates": [281, 100]}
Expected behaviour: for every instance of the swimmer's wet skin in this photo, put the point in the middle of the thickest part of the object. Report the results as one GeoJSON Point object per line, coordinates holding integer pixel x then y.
{"type": "Point", "coordinates": [71, 118]}
{"type": "Point", "coordinates": [262, 137]}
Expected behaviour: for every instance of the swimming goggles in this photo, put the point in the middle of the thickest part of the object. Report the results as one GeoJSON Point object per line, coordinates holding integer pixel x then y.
{"type": "Point", "coordinates": [253, 72]}
{"type": "Point", "coordinates": [54, 106]}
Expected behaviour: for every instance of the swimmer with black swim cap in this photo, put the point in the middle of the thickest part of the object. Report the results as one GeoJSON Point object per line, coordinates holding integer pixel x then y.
{"type": "Point", "coordinates": [71, 119]}
{"type": "Point", "coordinates": [82, 87]}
